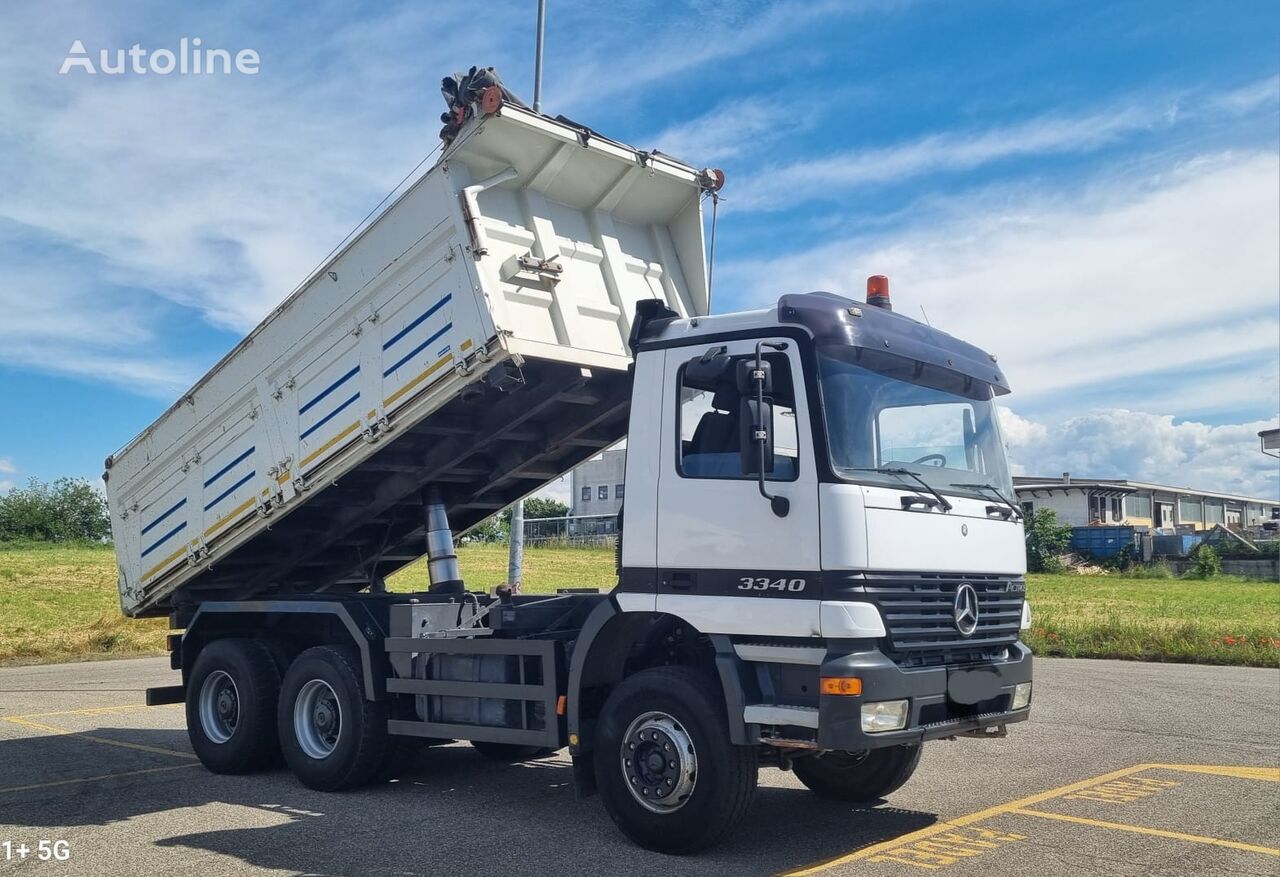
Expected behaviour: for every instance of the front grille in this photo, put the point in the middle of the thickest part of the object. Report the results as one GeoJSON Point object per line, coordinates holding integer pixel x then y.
{"type": "Point", "coordinates": [918, 616]}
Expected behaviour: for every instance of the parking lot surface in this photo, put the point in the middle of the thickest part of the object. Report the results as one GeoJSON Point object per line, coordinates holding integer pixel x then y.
{"type": "Point", "coordinates": [1123, 769]}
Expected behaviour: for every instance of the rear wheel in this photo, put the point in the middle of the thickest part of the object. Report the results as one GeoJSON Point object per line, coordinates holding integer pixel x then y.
{"type": "Point", "coordinates": [231, 706]}
{"type": "Point", "coordinates": [666, 771]}
{"type": "Point", "coordinates": [510, 751]}
{"type": "Point", "coordinates": [333, 737]}
{"type": "Point", "coordinates": [858, 776]}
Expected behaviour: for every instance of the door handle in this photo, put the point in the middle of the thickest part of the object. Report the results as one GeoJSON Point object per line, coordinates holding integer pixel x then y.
{"type": "Point", "coordinates": [682, 581]}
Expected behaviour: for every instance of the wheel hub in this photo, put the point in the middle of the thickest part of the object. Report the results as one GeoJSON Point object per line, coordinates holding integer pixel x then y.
{"type": "Point", "coordinates": [219, 706]}
{"type": "Point", "coordinates": [317, 719]}
{"type": "Point", "coordinates": [659, 762]}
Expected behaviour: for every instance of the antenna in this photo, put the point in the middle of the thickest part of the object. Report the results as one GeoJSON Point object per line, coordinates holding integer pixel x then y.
{"type": "Point", "coordinates": [537, 57]}
{"type": "Point", "coordinates": [926, 316]}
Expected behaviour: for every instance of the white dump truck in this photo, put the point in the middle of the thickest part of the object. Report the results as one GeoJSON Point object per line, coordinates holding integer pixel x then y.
{"type": "Point", "coordinates": [819, 565]}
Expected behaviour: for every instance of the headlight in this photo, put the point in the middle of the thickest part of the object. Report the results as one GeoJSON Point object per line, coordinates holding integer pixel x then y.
{"type": "Point", "coordinates": [887, 715]}
{"type": "Point", "coordinates": [1021, 697]}
{"type": "Point", "coordinates": [1026, 616]}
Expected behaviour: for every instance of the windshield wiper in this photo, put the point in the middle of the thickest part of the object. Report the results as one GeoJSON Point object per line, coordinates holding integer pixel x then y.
{"type": "Point", "coordinates": [942, 500]}
{"type": "Point", "coordinates": [991, 487]}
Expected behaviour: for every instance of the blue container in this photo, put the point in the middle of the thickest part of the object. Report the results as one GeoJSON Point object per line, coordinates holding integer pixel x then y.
{"type": "Point", "coordinates": [1179, 545]}
{"type": "Point", "coordinates": [1101, 541]}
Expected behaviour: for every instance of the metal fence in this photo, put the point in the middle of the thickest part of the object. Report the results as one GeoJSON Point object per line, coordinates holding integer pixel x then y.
{"type": "Point", "coordinates": [571, 530]}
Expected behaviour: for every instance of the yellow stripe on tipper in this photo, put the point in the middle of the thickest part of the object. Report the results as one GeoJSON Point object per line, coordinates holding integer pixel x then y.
{"type": "Point", "coordinates": [410, 384]}
{"type": "Point", "coordinates": [465, 345]}
{"type": "Point", "coordinates": [229, 517]}
{"type": "Point", "coordinates": [330, 443]}
{"type": "Point", "coordinates": [162, 564]}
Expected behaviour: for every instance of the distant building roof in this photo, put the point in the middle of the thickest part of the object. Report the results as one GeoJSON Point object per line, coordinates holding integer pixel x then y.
{"type": "Point", "coordinates": [1122, 486]}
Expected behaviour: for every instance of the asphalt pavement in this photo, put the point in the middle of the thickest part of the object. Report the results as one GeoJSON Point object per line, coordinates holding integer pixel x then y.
{"type": "Point", "coordinates": [1123, 769]}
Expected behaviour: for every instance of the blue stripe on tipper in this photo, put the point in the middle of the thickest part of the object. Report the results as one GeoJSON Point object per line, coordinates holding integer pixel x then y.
{"type": "Point", "coordinates": [227, 468]}
{"type": "Point", "coordinates": [329, 389]}
{"type": "Point", "coordinates": [230, 490]}
{"type": "Point", "coordinates": [418, 322]}
{"type": "Point", "coordinates": [421, 347]}
{"type": "Point", "coordinates": [332, 414]}
{"type": "Point", "coordinates": [163, 539]}
{"type": "Point", "coordinates": [149, 527]}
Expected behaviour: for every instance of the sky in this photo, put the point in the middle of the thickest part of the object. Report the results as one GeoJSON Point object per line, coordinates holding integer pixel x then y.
{"type": "Point", "coordinates": [1089, 190]}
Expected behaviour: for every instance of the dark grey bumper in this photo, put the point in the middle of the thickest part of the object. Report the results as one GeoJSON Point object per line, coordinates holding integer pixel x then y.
{"type": "Point", "coordinates": [944, 701]}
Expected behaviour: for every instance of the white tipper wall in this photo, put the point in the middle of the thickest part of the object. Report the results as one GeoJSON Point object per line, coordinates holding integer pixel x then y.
{"type": "Point", "coordinates": [456, 276]}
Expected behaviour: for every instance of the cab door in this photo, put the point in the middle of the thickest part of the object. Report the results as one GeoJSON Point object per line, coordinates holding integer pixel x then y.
{"type": "Point", "coordinates": [718, 538]}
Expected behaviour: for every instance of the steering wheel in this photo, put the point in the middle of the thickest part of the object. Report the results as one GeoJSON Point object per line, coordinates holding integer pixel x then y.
{"type": "Point", "coordinates": [942, 460]}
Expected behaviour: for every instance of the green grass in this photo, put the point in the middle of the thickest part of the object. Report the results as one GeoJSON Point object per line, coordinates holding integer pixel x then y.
{"type": "Point", "coordinates": [58, 603]}
{"type": "Point", "coordinates": [1223, 620]}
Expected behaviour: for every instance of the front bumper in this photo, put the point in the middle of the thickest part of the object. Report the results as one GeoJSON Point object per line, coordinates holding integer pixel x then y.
{"type": "Point", "coordinates": [935, 693]}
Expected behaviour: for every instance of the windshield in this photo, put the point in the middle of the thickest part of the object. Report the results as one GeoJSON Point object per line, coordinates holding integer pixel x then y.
{"type": "Point", "coordinates": [885, 412]}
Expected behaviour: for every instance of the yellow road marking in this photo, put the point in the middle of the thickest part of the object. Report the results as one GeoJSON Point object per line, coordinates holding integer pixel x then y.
{"type": "Point", "coordinates": [1270, 774]}
{"type": "Point", "coordinates": [89, 711]}
{"type": "Point", "coordinates": [413, 382]}
{"type": "Point", "coordinates": [1154, 832]}
{"type": "Point", "coordinates": [229, 517]}
{"type": "Point", "coordinates": [105, 776]}
{"type": "Point", "coordinates": [330, 443]}
{"type": "Point", "coordinates": [969, 819]}
{"type": "Point", "coordinates": [54, 729]}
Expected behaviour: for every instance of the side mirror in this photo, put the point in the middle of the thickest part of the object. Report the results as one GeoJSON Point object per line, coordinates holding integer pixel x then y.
{"type": "Point", "coordinates": [755, 424]}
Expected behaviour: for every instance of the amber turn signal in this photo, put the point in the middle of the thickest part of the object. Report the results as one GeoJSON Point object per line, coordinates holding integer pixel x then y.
{"type": "Point", "coordinates": [841, 685]}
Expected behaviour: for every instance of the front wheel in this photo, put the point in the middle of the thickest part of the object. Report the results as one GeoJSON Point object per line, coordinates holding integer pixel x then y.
{"type": "Point", "coordinates": [667, 773]}
{"type": "Point", "coordinates": [858, 776]}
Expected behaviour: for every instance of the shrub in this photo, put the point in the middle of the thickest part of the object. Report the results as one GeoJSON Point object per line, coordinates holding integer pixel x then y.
{"type": "Point", "coordinates": [1207, 562]}
{"type": "Point", "coordinates": [1046, 539]}
{"type": "Point", "coordinates": [68, 509]}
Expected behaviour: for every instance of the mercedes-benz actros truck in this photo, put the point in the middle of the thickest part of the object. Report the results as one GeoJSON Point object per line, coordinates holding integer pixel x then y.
{"type": "Point", "coordinates": [819, 569]}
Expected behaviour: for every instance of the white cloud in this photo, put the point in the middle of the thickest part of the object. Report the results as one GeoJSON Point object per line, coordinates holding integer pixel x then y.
{"type": "Point", "coordinates": [7, 468]}
{"type": "Point", "coordinates": [1118, 443]}
{"type": "Point", "coordinates": [1107, 288]}
{"type": "Point", "coordinates": [608, 60]}
{"type": "Point", "coordinates": [726, 131]}
{"type": "Point", "coordinates": [823, 177]}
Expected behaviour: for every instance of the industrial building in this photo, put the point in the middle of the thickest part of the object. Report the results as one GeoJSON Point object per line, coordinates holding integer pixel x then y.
{"type": "Point", "coordinates": [597, 485]}
{"type": "Point", "coordinates": [1083, 502]}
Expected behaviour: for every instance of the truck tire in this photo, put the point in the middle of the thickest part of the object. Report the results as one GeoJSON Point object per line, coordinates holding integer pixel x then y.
{"type": "Point", "coordinates": [858, 776]}
{"type": "Point", "coordinates": [508, 752]}
{"type": "Point", "coordinates": [667, 773]}
{"type": "Point", "coordinates": [332, 736]}
{"type": "Point", "coordinates": [231, 706]}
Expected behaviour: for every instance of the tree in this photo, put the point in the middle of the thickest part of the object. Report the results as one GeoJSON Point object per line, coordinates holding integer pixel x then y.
{"type": "Point", "coordinates": [542, 507]}
{"type": "Point", "coordinates": [1046, 539]}
{"type": "Point", "coordinates": [67, 509]}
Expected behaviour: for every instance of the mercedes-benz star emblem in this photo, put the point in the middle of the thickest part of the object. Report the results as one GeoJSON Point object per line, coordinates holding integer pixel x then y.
{"type": "Point", "coordinates": [964, 529]}
{"type": "Point", "coordinates": [965, 611]}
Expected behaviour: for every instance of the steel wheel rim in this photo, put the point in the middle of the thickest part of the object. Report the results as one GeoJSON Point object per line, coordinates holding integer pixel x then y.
{"type": "Point", "coordinates": [659, 762]}
{"type": "Point", "coordinates": [219, 706]}
{"type": "Point", "coordinates": [317, 719]}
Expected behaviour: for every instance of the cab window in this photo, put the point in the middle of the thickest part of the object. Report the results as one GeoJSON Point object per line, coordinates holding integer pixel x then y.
{"type": "Point", "coordinates": [710, 437]}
